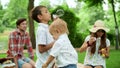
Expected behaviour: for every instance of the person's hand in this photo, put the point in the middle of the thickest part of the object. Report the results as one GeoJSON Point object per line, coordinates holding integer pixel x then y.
{"type": "Point", "coordinates": [32, 58]}
{"type": "Point", "coordinates": [92, 39]}
{"type": "Point", "coordinates": [44, 65]}
{"type": "Point", "coordinates": [103, 52]}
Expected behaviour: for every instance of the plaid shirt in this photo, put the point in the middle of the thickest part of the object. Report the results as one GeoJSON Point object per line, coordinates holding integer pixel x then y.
{"type": "Point", "coordinates": [16, 44]}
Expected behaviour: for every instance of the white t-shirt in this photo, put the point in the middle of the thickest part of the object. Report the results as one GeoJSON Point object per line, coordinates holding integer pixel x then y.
{"type": "Point", "coordinates": [95, 59]}
{"type": "Point", "coordinates": [64, 52]}
{"type": "Point", "coordinates": [42, 37]}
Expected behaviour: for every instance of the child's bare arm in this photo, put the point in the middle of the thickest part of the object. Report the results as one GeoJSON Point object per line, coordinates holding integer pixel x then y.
{"type": "Point", "coordinates": [50, 59]}
{"type": "Point", "coordinates": [44, 48]}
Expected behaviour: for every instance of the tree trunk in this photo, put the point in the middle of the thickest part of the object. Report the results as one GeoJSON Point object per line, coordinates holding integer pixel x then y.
{"type": "Point", "coordinates": [116, 27]}
{"type": "Point", "coordinates": [31, 23]}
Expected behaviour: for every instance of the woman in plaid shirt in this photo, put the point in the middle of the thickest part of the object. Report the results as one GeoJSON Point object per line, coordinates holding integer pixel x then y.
{"type": "Point", "coordinates": [17, 40]}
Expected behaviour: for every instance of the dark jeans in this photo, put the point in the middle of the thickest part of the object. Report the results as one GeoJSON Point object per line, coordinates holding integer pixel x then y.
{"type": "Point", "coordinates": [70, 66]}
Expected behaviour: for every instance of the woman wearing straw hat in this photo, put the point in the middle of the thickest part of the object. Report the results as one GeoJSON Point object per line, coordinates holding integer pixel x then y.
{"type": "Point", "coordinates": [96, 46]}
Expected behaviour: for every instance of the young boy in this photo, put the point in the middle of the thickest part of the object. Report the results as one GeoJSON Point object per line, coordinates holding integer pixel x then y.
{"type": "Point", "coordinates": [63, 51]}
{"type": "Point", "coordinates": [44, 40]}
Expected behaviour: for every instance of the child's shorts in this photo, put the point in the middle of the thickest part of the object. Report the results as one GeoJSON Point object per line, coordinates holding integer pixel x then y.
{"type": "Point", "coordinates": [70, 66]}
{"type": "Point", "coordinates": [23, 61]}
{"type": "Point", "coordinates": [93, 66]}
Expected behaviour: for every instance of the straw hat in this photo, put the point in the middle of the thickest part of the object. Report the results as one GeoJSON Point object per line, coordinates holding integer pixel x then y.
{"type": "Point", "coordinates": [98, 25]}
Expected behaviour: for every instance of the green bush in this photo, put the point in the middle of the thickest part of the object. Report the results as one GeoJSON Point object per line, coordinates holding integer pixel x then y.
{"type": "Point", "coordinates": [72, 21]}
{"type": "Point", "coordinates": [2, 27]}
{"type": "Point", "coordinates": [78, 41]}
{"type": "Point", "coordinates": [112, 38]}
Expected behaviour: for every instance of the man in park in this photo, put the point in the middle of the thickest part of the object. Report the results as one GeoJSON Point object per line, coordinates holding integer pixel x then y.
{"type": "Point", "coordinates": [17, 40]}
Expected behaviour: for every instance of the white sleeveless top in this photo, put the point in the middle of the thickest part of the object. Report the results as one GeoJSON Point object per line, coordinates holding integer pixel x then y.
{"type": "Point", "coordinates": [95, 59]}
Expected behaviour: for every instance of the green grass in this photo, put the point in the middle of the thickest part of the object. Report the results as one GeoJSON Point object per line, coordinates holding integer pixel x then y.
{"type": "Point", "coordinates": [114, 59]}
{"type": "Point", "coordinates": [81, 57]}
{"type": "Point", "coordinates": [112, 62]}
{"type": "Point", "coordinates": [2, 55]}
{"type": "Point", "coordinates": [4, 40]}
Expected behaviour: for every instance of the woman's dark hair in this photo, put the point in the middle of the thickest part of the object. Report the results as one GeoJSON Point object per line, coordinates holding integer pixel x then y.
{"type": "Point", "coordinates": [36, 11]}
{"type": "Point", "coordinates": [102, 45]}
{"type": "Point", "coordinates": [93, 47]}
{"type": "Point", "coordinates": [103, 41]}
{"type": "Point", "coordinates": [19, 21]}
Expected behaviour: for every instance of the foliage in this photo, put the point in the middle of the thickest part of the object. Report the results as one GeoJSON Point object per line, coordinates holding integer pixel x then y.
{"type": "Point", "coordinates": [93, 2]}
{"type": "Point", "coordinates": [2, 27]}
{"type": "Point", "coordinates": [87, 18]}
{"type": "Point", "coordinates": [79, 19]}
{"type": "Point", "coordinates": [92, 13]}
{"type": "Point", "coordinates": [72, 21]}
{"type": "Point", "coordinates": [16, 9]}
{"type": "Point", "coordinates": [109, 21]}
{"type": "Point", "coordinates": [45, 3]}
{"type": "Point", "coordinates": [118, 20]}
{"type": "Point", "coordinates": [1, 15]}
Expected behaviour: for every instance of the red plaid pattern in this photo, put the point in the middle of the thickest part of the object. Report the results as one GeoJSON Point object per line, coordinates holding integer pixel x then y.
{"type": "Point", "coordinates": [17, 42]}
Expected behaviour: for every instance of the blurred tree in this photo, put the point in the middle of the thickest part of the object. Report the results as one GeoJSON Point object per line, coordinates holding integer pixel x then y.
{"type": "Point", "coordinates": [99, 3]}
{"type": "Point", "coordinates": [87, 16]}
{"type": "Point", "coordinates": [2, 11]}
{"type": "Point", "coordinates": [116, 25]}
{"type": "Point", "coordinates": [31, 23]}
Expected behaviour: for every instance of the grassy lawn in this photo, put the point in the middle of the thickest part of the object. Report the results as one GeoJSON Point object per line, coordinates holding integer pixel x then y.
{"type": "Point", "coordinates": [4, 40]}
{"type": "Point", "coordinates": [112, 62]}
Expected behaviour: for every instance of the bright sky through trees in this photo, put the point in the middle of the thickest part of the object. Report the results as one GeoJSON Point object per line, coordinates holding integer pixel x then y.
{"type": "Point", "coordinates": [71, 3]}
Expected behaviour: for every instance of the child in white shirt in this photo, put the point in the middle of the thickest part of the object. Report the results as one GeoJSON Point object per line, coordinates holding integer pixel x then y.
{"type": "Point", "coordinates": [62, 50]}
{"type": "Point", "coordinates": [44, 40]}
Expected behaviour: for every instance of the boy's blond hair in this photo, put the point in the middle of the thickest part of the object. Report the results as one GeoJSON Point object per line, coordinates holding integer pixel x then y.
{"type": "Point", "coordinates": [60, 25]}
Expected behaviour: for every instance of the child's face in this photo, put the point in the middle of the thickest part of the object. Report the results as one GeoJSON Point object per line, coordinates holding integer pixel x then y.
{"type": "Point", "coordinates": [46, 16]}
{"type": "Point", "coordinates": [55, 34]}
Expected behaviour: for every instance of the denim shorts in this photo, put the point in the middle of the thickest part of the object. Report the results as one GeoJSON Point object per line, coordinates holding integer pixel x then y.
{"type": "Point", "coordinates": [70, 66]}
{"type": "Point", "coordinates": [23, 61]}
{"type": "Point", "coordinates": [93, 66]}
